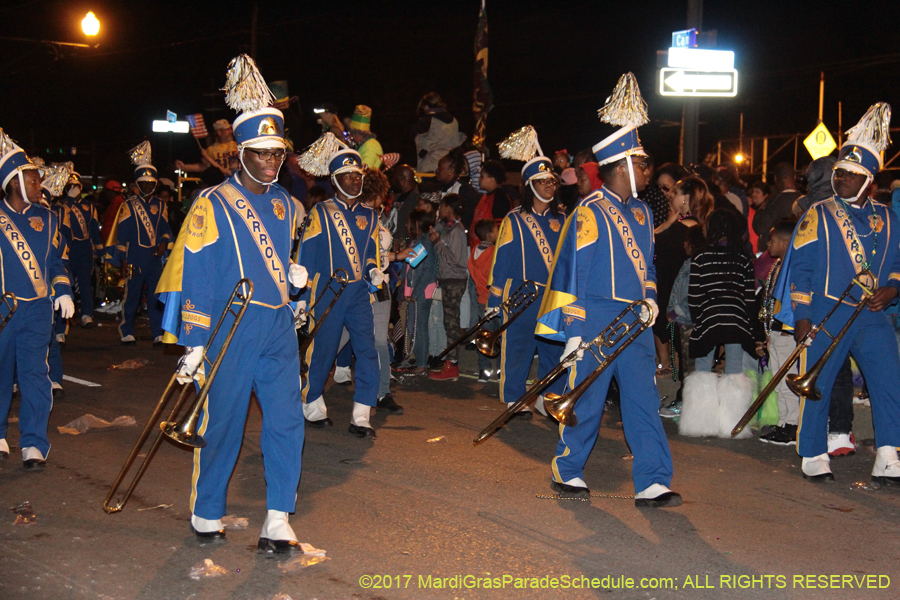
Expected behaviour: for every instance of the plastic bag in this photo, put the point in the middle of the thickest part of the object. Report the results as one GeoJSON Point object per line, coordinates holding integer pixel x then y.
{"type": "Point", "coordinates": [207, 569]}
{"type": "Point", "coordinates": [232, 522]}
{"type": "Point", "coordinates": [24, 514]}
{"type": "Point", "coordinates": [85, 422]}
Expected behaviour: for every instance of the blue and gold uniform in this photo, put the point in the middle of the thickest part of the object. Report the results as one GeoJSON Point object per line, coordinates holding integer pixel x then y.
{"type": "Point", "coordinates": [604, 262]}
{"type": "Point", "coordinates": [524, 251]}
{"type": "Point", "coordinates": [342, 236]}
{"type": "Point", "coordinates": [828, 249]}
{"type": "Point", "coordinates": [231, 233]}
{"type": "Point", "coordinates": [141, 226]}
{"type": "Point", "coordinates": [82, 230]}
{"type": "Point", "coordinates": [33, 267]}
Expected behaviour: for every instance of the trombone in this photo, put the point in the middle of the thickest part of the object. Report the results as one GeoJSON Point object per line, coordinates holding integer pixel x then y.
{"type": "Point", "coordinates": [342, 278]}
{"type": "Point", "coordinates": [183, 431]}
{"type": "Point", "coordinates": [11, 303]}
{"type": "Point", "coordinates": [562, 408]}
{"type": "Point", "coordinates": [805, 385]}
{"type": "Point", "coordinates": [488, 342]}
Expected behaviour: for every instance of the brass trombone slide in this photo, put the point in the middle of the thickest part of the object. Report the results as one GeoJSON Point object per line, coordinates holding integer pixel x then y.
{"type": "Point", "coordinates": [183, 431]}
{"type": "Point", "coordinates": [342, 278]}
{"type": "Point", "coordinates": [11, 303]}
{"type": "Point", "coordinates": [513, 306]}
{"type": "Point", "coordinates": [562, 407]}
{"type": "Point", "coordinates": [805, 385]}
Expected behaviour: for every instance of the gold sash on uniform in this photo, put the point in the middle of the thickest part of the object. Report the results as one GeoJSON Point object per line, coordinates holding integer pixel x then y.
{"type": "Point", "coordinates": [259, 235]}
{"type": "Point", "coordinates": [342, 228]}
{"type": "Point", "coordinates": [24, 252]}
{"type": "Point", "coordinates": [854, 247]}
{"type": "Point", "coordinates": [81, 223]}
{"type": "Point", "coordinates": [628, 242]}
{"type": "Point", "coordinates": [539, 239]}
{"type": "Point", "coordinates": [144, 218]}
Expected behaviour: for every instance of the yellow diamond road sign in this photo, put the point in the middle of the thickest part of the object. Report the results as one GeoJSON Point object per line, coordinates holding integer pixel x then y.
{"type": "Point", "coordinates": [819, 142]}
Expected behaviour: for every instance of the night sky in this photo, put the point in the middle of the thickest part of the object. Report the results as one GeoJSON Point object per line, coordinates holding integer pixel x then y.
{"type": "Point", "coordinates": [552, 64]}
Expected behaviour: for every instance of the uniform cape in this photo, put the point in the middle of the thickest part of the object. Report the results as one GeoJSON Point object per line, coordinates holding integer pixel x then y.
{"type": "Point", "coordinates": [168, 290]}
{"type": "Point", "coordinates": [561, 286]}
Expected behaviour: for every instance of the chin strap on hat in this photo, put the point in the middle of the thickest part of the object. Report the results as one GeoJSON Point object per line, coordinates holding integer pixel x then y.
{"type": "Point", "coordinates": [862, 189]}
{"type": "Point", "coordinates": [335, 182]}
{"type": "Point", "coordinates": [531, 185]}
{"type": "Point", "coordinates": [631, 175]}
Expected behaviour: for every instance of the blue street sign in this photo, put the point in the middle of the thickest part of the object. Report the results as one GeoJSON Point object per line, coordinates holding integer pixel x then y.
{"type": "Point", "coordinates": [171, 117]}
{"type": "Point", "coordinates": [684, 39]}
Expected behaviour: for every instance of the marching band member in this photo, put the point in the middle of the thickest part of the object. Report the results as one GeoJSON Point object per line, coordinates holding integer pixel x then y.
{"type": "Point", "coordinates": [82, 230]}
{"type": "Point", "coordinates": [342, 233]}
{"type": "Point", "coordinates": [32, 266]}
{"type": "Point", "coordinates": [524, 251]}
{"type": "Point", "coordinates": [836, 240]}
{"type": "Point", "coordinates": [604, 262]}
{"type": "Point", "coordinates": [139, 237]}
{"type": "Point", "coordinates": [242, 228]}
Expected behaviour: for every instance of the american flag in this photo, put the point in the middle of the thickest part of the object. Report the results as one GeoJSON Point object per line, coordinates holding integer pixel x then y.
{"type": "Point", "coordinates": [198, 125]}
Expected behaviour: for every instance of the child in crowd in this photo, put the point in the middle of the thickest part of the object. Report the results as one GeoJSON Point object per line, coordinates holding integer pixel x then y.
{"type": "Point", "coordinates": [480, 259]}
{"type": "Point", "coordinates": [780, 341]}
{"type": "Point", "coordinates": [452, 249]}
{"type": "Point", "coordinates": [419, 284]}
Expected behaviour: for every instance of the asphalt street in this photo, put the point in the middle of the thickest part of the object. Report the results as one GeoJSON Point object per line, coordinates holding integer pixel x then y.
{"type": "Point", "coordinates": [421, 513]}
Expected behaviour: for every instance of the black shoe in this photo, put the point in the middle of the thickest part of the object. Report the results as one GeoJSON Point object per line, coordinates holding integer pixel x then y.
{"type": "Point", "coordinates": [362, 432]}
{"type": "Point", "coordinates": [131, 343]}
{"type": "Point", "coordinates": [523, 415]}
{"type": "Point", "coordinates": [387, 403]}
{"type": "Point", "coordinates": [570, 491]}
{"type": "Point", "coordinates": [470, 346]}
{"type": "Point", "coordinates": [58, 394]}
{"type": "Point", "coordinates": [272, 547]}
{"type": "Point", "coordinates": [207, 537]}
{"type": "Point", "coordinates": [884, 480]}
{"type": "Point", "coordinates": [4, 455]}
{"type": "Point", "coordinates": [320, 424]}
{"type": "Point", "coordinates": [782, 435]}
{"type": "Point", "coordinates": [34, 464]}
{"type": "Point", "coordinates": [666, 500]}
{"type": "Point", "coordinates": [823, 478]}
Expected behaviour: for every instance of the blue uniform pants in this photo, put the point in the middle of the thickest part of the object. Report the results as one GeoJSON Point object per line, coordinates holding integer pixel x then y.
{"type": "Point", "coordinates": [517, 353]}
{"type": "Point", "coordinates": [352, 310]}
{"type": "Point", "coordinates": [262, 358]}
{"type": "Point", "coordinates": [872, 341]}
{"type": "Point", "coordinates": [635, 371]}
{"type": "Point", "coordinates": [81, 264]}
{"type": "Point", "coordinates": [151, 269]}
{"type": "Point", "coordinates": [23, 355]}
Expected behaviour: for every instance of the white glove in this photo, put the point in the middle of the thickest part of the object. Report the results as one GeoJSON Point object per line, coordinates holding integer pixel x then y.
{"type": "Point", "coordinates": [492, 312]}
{"type": "Point", "coordinates": [377, 277]}
{"type": "Point", "coordinates": [298, 276]}
{"type": "Point", "coordinates": [655, 311]}
{"type": "Point", "coordinates": [65, 306]}
{"type": "Point", "coordinates": [192, 358]}
{"type": "Point", "coordinates": [300, 315]}
{"type": "Point", "coordinates": [572, 345]}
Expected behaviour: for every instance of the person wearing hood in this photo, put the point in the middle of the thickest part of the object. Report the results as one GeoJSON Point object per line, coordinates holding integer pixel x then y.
{"type": "Point", "coordinates": [818, 184]}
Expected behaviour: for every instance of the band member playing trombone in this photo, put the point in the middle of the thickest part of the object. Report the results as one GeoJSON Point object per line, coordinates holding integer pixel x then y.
{"type": "Point", "coordinates": [140, 237]}
{"type": "Point", "coordinates": [836, 240]}
{"type": "Point", "coordinates": [243, 228]}
{"type": "Point", "coordinates": [603, 263]}
{"type": "Point", "coordinates": [342, 234]}
{"type": "Point", "coordinates": [524, 251]}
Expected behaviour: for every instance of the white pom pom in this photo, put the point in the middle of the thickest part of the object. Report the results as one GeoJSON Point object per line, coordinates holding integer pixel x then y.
{"type": "Point", "coordinates": [245, 89]}
{"type": "Point", "coordinates": [140, 154]}
{"type": "Point", "coordinates": [521, 145]}
{"type": "Point", "coordinates": [316, 158]}
{"type": "Point", "coordinates": [625, 106]}
{"type": "Point", "coordinates": [874, 128]}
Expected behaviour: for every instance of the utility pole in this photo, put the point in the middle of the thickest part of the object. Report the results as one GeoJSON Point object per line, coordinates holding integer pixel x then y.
{"type": "Point", "coordinates": [821, 94]}
{"type": "Point", "coordinates": [690, 115]}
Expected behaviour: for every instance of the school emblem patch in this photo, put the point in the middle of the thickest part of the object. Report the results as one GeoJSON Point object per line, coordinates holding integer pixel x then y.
{"type": "Point", "coordinates": [362, 222]}
{"type": "Point", "coordinates": [154, 209]}
{"type": "Point", "coordinates": [876, 223]}
{"type": "Point", "coordinates": [37, 223]}
{"type": "Point", "coordinates": [554, 225]}
{"type": "Point", "coordinates": [638, 215]}
{"type": "Point", "coordinates": [278, 208]}
{"type": "Point", "coordinates": [197, 221]}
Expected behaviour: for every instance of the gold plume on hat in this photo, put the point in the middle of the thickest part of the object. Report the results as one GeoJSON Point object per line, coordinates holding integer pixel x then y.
{"type": "Point", "coordinates": [625, 106]}
{"type": "Point", "coordinates": [140, 154]}
{"type": "Point", "coordinates": [7, 144]}
{"type": "Point", "coordinates": [874, 128]}
{"type": "Point", "coordinates": [55, 178]}
{"type": "Point", "coordinates": [315, 159]}
{"type": "Point", "coordinates": [521, 145]}
{"type": "Point", "coordinates": [245, 89]}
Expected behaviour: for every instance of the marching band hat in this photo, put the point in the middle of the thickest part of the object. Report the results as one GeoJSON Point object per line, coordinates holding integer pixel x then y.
{"type": "Point", "coordinates": [538, 167]}
{"type": "Point", "coordinates": [13, 160]}
{"type": "Point", "coordinates": [259, 125]}
{"type": "Point", "coordinates": [345, 160]}
{"type": "Point", "coordinates": [626, 109]}
{"type": "Point", "coordinates": [861, 153]}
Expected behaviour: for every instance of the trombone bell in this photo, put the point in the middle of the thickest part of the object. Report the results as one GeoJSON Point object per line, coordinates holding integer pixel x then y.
{"type": "Point", "coordinates": [487, 342]}
{"type": "Point", "coordinates": [185, 434]}
{"type": "Point", "coordinates": [805, 385]}
{"type": "Point", "coordinates": [562, 408]}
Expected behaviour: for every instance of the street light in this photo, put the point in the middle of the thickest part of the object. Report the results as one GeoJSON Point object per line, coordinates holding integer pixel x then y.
{"type": "Point", "coordinates": [90, 25]}
{"type": "Point", "coordinates": [738, 158]}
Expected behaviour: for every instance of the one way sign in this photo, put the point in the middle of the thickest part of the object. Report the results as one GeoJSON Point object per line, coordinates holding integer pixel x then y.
{"type": "Point", "coordinates": [684, 82]}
